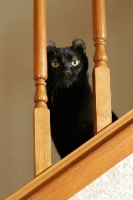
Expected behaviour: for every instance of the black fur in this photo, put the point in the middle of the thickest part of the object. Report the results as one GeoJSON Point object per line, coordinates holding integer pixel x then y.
{"type": "Point", "coordinates": [69, 96]}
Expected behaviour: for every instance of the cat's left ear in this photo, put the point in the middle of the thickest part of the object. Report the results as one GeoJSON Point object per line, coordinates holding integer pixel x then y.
{"type": "Point", "coordinates": [79, 44]}
{"type": "Point", "coordinates": [50, 45]}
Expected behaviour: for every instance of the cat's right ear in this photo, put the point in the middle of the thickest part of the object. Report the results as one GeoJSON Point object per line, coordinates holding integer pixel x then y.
{"type": "Point", "coordinates": [50, 45]}
{"type": "Point", "coordinates": [79, 44]}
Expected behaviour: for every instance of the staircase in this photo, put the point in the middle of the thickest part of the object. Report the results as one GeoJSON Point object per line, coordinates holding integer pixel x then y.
{"type": "Point", "coordinates": [112, 141]}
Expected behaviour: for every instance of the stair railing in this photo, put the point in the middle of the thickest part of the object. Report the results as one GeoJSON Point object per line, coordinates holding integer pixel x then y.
{"type": "Point", "coordinates": [41, 113]}
{"type": "Point", "coordinates": [97, 155]}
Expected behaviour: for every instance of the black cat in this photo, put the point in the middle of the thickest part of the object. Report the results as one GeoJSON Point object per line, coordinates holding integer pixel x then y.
{"type": "Point", "coordinates": [69, 96]}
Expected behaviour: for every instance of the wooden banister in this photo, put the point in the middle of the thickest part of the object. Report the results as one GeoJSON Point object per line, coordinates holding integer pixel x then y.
{"type": "Point", "coordinates": [41, 112]}
{"type": "Point", "coordinates": [95, 157]}
{"type": "Point", "coordinates": [84, 165]}
{"type": "Point", "coordinates": [101, 73]}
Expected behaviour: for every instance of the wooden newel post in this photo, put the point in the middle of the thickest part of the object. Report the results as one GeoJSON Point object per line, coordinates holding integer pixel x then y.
{"type": "Point", "coordinates": [101, 73]}
{"type": "Point", "coordinates": [41, 112]}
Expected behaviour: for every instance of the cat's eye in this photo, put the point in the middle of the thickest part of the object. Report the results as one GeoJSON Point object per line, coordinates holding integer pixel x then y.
{"type": "Point", "coordinates": [75, 63]}
{"type": "Point", "coordinates": [55, 64]}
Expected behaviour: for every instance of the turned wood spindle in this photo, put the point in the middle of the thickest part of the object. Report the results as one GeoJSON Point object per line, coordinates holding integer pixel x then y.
{"type": "Point", "coordinates": [101, 73]}
{"type": "Point", "coordinates": [41, 112]}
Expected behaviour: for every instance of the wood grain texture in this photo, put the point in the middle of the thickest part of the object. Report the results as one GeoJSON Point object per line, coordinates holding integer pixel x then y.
{"type": "Point", "coordinates": [101, 73]}
{"type": "Point", "coordinates": [88, 169]}
{"type": "Point", "coordinates": [40, 56]}
{"type": "Point", "coordinates": [42, 137]}
{"type": "Point", "coordinates": [102, 98]}
{"type": "Point", "coordinates": [99, 154]}
{"type": "Point", "coordinates": [84, 165]}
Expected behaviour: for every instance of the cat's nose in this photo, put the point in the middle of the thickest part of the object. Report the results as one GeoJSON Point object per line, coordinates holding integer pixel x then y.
{"type": "Point", "coordinates": [66, 74]}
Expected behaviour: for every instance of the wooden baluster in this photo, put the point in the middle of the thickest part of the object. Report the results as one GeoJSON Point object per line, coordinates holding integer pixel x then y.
{"type": "Point", "coordinates": [41, 112]}
{"type": "Point", "coordinates": [101, 73]}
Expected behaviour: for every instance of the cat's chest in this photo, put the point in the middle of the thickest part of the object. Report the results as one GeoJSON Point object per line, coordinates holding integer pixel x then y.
{"type": "Point", "coordinates": [68, 102]}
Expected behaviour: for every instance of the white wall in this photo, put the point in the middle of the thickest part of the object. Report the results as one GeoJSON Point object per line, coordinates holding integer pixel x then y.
{"type": "Point", "coordinates": [66, 20]}
{"type": "Point", "coordinates": [115, 184]}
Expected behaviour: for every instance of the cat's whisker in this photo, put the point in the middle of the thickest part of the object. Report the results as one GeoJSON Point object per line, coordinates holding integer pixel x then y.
{"type": "Point", "coordinates": [52, 96]}
{"type": "Point", "coordinates": [52, 84]}
{"type": "Point", "coordinates": [56, 85]}
{"type": "Point", "coordinates": [77, 83]}
{"type": "Point", "coordinates": [81, 78]}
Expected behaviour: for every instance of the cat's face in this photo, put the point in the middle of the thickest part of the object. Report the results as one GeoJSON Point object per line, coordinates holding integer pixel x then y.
{"type": "Point", "coordinates": [67, 66]}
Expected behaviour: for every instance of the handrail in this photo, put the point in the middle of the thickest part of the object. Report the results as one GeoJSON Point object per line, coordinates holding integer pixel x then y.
{"type": "Point", "coordinates": [83, 165]}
